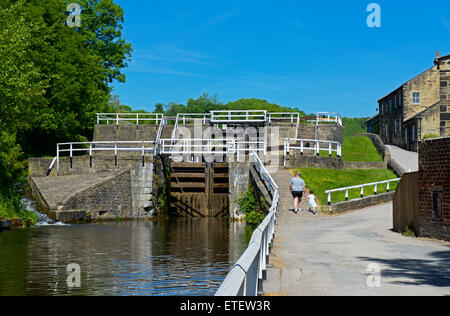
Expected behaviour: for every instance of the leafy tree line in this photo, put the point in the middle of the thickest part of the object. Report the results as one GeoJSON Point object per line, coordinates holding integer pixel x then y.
{"type": "Point", "coordinates": [206, 103]}
{"type": "Point", "coordinates": [53, 78]}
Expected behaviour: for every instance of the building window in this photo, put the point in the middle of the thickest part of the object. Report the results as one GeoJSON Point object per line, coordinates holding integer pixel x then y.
{"type": "Point", "coordinates": [416, 98]}
{"type": "Point", "coordinates": [406, 136]}
{"type": "Point", "coordinates": [413, 133]}
{"type": "Point", "coordinates": [395, 126]}
{"type": "Point", "coordinates": [437, 194]}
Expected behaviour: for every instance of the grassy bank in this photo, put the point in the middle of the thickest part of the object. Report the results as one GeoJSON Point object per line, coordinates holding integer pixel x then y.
{"type": "Point", "coordinates": [359, 148]}
{"type": "Point", "coordinates": [12, 208]}
{"type": "Point", "coordinates": [320, 180]}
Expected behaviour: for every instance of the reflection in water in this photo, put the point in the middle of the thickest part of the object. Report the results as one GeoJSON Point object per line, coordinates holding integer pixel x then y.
{"type": "Point", "coordinates": [174, 257]}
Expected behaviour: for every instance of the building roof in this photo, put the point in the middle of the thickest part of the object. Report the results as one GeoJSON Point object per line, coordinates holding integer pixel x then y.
{"type": "Point", "coordinates": [419, 115]}
{"type": "Point", "coordinates": [443, 57]}
{"type": "Point", "coordinates": [435, 61]}
{"type": "Point", "coordinates": [373, 118]}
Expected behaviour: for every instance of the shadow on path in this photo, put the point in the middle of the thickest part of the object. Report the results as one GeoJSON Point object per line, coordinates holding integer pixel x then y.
{"type": "Point", "coordinates": [419, 271]}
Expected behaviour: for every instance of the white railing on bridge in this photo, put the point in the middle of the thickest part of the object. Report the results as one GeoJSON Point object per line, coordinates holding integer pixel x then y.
{"type": "Point", "coordinates": [329, 117]}
{"type": "Point", "coordinates": [247, 275]}
{"type": "Point", "coordinates": [130, 118]}
{"type": "Point", "coordinates": [226, 146]}
{"type": "Point", "coordinates": [183, 118]}
{"type": "Point", "coordinates": [143, 147]}
{"type": "Point", "coordinates": [361, 187]}
{"type": "Point", "coordinates": [238, 116]}
{"type": "Point", "coordinates": [316, 146]}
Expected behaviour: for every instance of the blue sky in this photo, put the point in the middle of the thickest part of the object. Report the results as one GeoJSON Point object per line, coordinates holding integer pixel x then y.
{"type": "Point", "coordinates": [313, 55]}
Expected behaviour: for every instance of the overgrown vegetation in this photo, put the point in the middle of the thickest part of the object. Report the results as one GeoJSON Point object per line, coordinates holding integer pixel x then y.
{"type": "Point", "coordinates": [359, 148]}
{"type": "Point", "coordinates": [409, 232]}
{"type": "Point", "coordinates": [11, 207]}
{"type": "Point", "coordinates": [254, 210]}
{"type": "Point", "coordinates": [321, 180]}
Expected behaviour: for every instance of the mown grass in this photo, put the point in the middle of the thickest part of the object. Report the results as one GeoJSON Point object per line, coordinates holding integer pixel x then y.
{"type": "Point", "coordinates": [321, 180]}
{"type": "Point", "coordinates": [359, 149]}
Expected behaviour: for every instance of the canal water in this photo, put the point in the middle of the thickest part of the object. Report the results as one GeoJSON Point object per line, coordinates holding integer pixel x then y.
{"type": "Point", "coordinates": [186, 256]}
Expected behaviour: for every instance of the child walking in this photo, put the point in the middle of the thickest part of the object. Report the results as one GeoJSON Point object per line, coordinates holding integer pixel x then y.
{"type": "Point", "coordinates": [312, 202]}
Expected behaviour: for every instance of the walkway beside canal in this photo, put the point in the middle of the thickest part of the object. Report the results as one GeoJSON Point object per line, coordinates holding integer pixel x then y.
{"type": "Point", "coordinates": [408, 160]}
{"type": "Point", "coordinates": [329, 255]}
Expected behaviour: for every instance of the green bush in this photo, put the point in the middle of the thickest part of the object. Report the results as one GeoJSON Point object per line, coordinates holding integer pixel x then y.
{"type": "Point", "coordinates": [11, 207]}
{"type": "Point", "coordinates": [254, 211]}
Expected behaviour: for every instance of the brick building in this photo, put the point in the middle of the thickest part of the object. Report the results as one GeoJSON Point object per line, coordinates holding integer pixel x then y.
{"type": "Point", "coordinates": [434, 188]}
{"type": "Point", "coordinates": [418, 109]}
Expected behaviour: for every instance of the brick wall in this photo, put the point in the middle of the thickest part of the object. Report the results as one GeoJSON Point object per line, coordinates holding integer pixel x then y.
{"type": "Point", "coordinates": [434, 188]}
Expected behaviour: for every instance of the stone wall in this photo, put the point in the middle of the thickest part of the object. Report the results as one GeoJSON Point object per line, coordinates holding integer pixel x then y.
{"type": "Point", "coordinates": [360, 203]}
{"type": "Point", "coordinates": [444, 122]}
{"type": "Point", "coordinates": [125, 133]}
{"type": "Point", "coordinates": [305, 161]}
{"type": "Point", "coordinates": [427, 84]}
{"type": "Point", "coordinates": [364, 165]}
{"type": "Point", "coordinates": [434, 188]}
{"type": "Point", "coordinates": [113, 197]}
{"type": "Point", "coordinates": [37, 167]}
{"type": "Point", "coordinates": [239, 177]}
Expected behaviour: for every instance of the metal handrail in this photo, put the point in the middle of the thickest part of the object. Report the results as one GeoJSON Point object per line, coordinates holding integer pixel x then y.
{"type": "Point", "coordinates": [361, 186]}
{"type": "Point", "coordinates": [247, 275]}
{"type": "Point", "coordinates": [102, 146]}
{"type": "Point", "coordinates": [192, 146]}
{"type": "Point", "coordinates": [331, 146]}
{"type": "Point", "coordinates": [127, 117]}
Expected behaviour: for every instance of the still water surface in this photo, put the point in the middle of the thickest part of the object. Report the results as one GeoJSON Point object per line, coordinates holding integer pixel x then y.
{"type": "Point", "coordinates": [172, 257]}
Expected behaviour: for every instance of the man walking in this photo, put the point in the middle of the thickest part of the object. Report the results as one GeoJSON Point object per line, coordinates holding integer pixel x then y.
{"type": "Point", "coordinates": [297, 187]}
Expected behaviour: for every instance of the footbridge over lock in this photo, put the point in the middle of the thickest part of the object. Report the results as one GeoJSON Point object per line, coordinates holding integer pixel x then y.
{"type": "Point", "coordinates": [194, 164]}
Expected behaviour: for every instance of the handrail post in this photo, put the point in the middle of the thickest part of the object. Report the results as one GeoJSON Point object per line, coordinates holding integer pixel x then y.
{"type": "Point", "coordinates": [143, 154]}
{"type": "Point", "coordinates": [90, 155]}
{"type": "Point", "coordinates": [115, 153]}
{"type": "Point", "coordinates": [329, 198]}
{"type": "Point", "coordinates": [71, 156]}
{"type": "Point", "coordinates": [57, 159]}
{"type": "Point", "coordinates": [362, 191]}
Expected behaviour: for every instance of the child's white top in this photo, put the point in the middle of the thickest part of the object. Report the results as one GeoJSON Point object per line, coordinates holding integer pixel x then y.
{"type": "Point", "coordinates": [312, 201]}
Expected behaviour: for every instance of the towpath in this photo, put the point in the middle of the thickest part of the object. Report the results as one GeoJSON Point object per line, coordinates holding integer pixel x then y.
{"type": "Point", "coordinates": [330, 255]}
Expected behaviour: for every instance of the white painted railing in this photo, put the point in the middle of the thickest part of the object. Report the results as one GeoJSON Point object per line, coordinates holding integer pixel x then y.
{"type": "Point", "coordinates": [293, 117]}
{"type": "Point", "coordinates": [316, 146]}
{"type": "Point", "coordinates": [329, 117]}
{"type": "Point", "coordinates": [192, 117]}
{"type": "Point", "coordinates": [191, 146]}
{"type": "Point", "coordinates": [143, 147]}
{"type": "Point", "coordinates": [247, 275]}
{"type": "Point", "coordinates": [361, 186]}
{"type": "Point", "coordinates": [129, 118]}
{"type": "Point", "coordinates": [238, 116]}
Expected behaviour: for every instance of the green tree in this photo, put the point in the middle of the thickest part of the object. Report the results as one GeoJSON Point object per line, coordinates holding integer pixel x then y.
{"type": "Point", "coordinates": [101, 26]}
{"type": "Point", "coordinates": [21, 82]}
